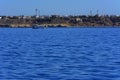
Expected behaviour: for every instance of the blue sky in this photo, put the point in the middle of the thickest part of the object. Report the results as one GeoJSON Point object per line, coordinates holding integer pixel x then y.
{"type": "Point", "coordinates": [62, 7]}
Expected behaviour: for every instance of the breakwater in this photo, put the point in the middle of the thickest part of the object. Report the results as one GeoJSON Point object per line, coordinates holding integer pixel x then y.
{"type": "Point", "coordinates": [59, 21]}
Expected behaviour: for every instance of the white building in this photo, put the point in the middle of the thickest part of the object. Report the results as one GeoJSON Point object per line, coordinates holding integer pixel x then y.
{"type": "Point", "coordinates": [0, 17]}
{"type": "Point", "coordinates": [78, 19]}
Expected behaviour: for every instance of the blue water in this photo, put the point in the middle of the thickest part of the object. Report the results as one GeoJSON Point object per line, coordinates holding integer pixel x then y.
{"type": "Point", "coordinates": [60, 54]}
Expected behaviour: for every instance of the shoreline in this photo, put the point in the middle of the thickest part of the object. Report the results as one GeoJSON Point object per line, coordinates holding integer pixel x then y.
{"type": "Point", "coordinates": [67, 27]}
{"type": "Point", "coordinates": [60, 21]}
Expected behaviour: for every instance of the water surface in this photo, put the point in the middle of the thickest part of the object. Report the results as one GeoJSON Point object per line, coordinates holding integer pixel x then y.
{"type": "Point", "coordinates": [60, 54]}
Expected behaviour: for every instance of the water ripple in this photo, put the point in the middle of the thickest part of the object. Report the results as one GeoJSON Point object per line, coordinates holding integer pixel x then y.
{"type": "Point", "coordinates": [60, 54]}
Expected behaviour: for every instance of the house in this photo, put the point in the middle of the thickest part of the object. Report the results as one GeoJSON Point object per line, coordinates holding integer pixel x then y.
{"type": "Point", "coordinates": [0, 17]}
{"type": "Point", "coordinates": [79, 19]}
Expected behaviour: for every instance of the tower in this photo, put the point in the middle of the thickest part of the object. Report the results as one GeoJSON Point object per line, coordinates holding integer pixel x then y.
{"type": "Point", "coordinates": [36, 12]}
{"type": "Point", "coordinates": [97, 12]}
{"type": "Point", "coordinates": [90, 12]}
{"type": "Point", "coordinates": [39, 12]}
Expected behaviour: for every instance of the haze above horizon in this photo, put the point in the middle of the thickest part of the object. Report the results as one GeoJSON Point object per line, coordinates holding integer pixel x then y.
{"type": "Point", "coordinates": [59, 7]}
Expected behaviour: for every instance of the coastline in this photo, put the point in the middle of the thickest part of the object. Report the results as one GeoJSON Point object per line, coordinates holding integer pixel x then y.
{"type": "Point", "coordinates": [63, 27]}
{"type": "Point", "coordinates": [59, 21]}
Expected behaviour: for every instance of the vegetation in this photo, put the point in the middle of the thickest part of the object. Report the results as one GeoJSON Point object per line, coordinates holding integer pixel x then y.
{"type": "Point", "coordinates": [60, 21]}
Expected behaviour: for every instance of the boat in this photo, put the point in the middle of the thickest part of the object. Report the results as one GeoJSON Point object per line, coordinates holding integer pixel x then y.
{"type": "Point", "coordinates": [37, 27]}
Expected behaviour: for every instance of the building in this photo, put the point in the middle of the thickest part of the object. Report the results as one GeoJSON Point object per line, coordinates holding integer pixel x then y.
{"type": "Point", "coordinates": [79, 19]}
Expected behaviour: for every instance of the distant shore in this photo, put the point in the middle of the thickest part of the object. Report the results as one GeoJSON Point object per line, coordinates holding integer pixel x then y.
{"type": "Point", "coordinates": [60, 21]}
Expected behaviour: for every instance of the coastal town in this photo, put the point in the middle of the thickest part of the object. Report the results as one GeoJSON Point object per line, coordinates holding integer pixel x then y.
{"type": "Point", "coordinates": [60, 21]}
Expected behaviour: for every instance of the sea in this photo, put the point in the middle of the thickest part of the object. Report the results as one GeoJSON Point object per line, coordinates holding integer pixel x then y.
{"type": "Point", "coordinates": [60, 54]}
